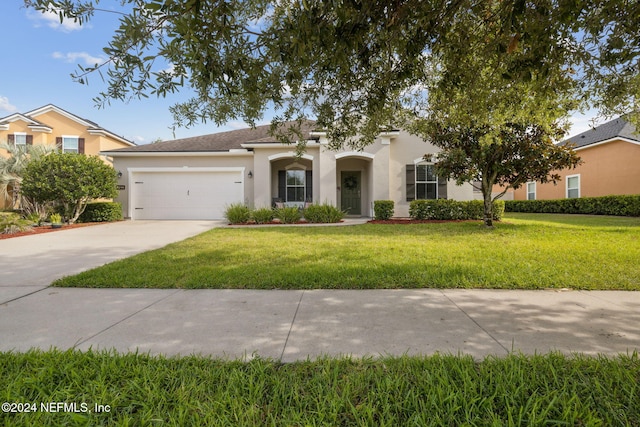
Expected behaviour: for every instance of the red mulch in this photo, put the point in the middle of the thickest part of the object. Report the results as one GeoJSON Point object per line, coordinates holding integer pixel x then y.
{"type": "Point", "coordinates": [47, 229]}
{"type": "Point", "coordinates": [412, 221]}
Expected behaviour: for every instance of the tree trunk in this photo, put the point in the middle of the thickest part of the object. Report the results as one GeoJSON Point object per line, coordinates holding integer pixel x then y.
{"type": "Point", "coordinates": [488, 203]}
{"type": "Point", "coordinates": [488, 211]}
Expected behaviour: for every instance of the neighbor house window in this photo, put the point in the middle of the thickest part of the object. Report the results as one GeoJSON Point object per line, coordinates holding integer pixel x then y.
{"type": "Point", "coordinates": [426, 182]}
{"type": "Point", "coordinates": [20, 139]}
{"type": "Point", "coordinates": [69, 144]}
{"type": "Point", "coordinates": [295, 186]}
{"type": "Point", "coordinates": [531, 190]}
{"type": "Point", "coordinates": [573, 186]}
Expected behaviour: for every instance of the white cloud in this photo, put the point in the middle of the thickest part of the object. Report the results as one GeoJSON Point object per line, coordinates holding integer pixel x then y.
{"type": "Point", "coordinates": [5, 105]}
{"type": "Point", "coordinates": [52, 20]}
{"type": "Point", "coordinates": [582, 122]}
{"type": "Point", "coordinates": [75, 57]}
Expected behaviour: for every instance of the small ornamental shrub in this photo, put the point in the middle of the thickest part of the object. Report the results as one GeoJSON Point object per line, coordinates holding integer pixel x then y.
{"type": "Point", "coordinates": [101, 212]}
{"type": "Point", "coordinates": [11, 223]}
{"type": "Point", "coordinates": [262, 215]}
{"type": "Point", "coordinates": [55, 218]}
{"type": "Point", "coordinates": [324, 213]}
{"type": "Point", "coordinates": [383, 209]}
{"type": "Point", "coordinates": [624, 205]}
{"type": "Point", "coordinates": [288, 214]}
{"type": "Point", "coordinates": [445, 209]}
{"type": "Point", "coordinates": [237, 213]}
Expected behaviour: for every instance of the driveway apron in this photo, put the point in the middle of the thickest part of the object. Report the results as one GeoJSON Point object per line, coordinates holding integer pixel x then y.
{"type": "Point", "coordinates": [30, 263]}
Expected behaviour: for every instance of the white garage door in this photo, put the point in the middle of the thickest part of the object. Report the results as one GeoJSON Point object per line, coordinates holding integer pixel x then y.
{"type": "Point", "coordinates": [170, 194]}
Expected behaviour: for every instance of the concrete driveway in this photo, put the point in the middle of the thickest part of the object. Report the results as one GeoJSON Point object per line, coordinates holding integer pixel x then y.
{"type": "Point", "coordinates": [31, 263]}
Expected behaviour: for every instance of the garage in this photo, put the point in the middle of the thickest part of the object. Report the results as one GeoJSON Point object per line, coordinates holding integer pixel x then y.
{"type": "Point", "coordinates": [184, 193]}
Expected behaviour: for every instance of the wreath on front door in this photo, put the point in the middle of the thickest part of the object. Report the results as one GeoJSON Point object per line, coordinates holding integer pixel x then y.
{"type": "Point", "coordinates": [351, 183]}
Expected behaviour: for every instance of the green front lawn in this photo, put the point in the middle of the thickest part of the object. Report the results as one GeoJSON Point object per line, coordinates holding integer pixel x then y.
{"type": "Point", "coordinates": [132, 390]}
{"type": "Point", "coordinates": [525, 251]}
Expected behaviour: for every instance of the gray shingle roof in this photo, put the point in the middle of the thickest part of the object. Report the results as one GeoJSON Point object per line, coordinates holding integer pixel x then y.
{"type": "Point", "coordinates": [221, 141]}
{"type": "Point", "coordinates": [617, 128]}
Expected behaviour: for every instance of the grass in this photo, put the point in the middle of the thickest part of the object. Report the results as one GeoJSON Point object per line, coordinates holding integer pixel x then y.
{"type": "Point", "coordinates": [525, 251]}
{"type": "Point", "coordinates": [429, 391]}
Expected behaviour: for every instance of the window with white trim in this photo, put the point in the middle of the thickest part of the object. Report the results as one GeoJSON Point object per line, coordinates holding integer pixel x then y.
{"type": "Point", "coordinates": [573, 186]}
{"type": "Point", "coordinates": [296, 185]}
{"type": "Point", "coordinates": [70, 144]}
{"type": "Point", "coordinates": [20, 139]}
{"type": "Point", "coordinates": [531, 190]}
{"type": "Point", "coordinates": [426, 181]}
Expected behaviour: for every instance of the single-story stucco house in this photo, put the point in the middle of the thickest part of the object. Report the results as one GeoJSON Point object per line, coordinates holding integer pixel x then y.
{"type": "Point", "coordinates": [198, 177]}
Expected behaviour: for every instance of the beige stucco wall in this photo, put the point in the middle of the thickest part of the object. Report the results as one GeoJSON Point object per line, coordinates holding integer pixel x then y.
{"type": "Point", "coordinates": [62, 125]}
{"type": "Point", "coordinates": [607, 169]}
{"type": "Point", "coordinates": [405, 150]}
{"type": "Point", "coordinates": [208, 160]}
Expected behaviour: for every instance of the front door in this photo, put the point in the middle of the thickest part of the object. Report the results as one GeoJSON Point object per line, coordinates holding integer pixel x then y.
{"type": "Point", "coordinates": [351, 186]}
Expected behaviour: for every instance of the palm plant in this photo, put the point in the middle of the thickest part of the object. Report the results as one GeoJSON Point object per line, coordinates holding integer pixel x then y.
{"type": "Point", "coordinates": [11, 173]}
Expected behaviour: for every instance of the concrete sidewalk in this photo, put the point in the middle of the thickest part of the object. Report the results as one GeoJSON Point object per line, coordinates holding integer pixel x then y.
{"type": "Point", "coordinates": [294, 325]}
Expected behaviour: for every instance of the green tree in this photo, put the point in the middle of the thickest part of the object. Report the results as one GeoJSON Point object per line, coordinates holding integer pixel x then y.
{"type": "Point", "coordinates": [473, 76]}
{"type": "Point", "coordinates": [69, 180]}
{"type": "Point", "coordinates": [349, 63]}
{"type": "Point", "coordinates": [495, 119]}
{"type": "Point", "coordinates": [12, 171]}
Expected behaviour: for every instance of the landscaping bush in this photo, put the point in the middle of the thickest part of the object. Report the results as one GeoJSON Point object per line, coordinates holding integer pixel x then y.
{"type": "Point", "coordinates": [324, 213]}
{"type": "Point", "coordinates": [288, 214]}
{"type": "Point", "coordinates": [237, 213]}
{"type": "Point", "coordinates": [383, 209]}
{"type": "Point", "coordinates": [446, 209]}
{"type": "Point", "coordinates": [605, 205]}
{"type": "Point", "coordinates": [262, 215]}
{"type": "Point", "coordinates": [101, 212]}
{"type": "Point", "coordinates": [13, 223]}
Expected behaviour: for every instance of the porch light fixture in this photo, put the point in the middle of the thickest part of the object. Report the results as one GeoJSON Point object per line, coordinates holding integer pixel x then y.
{"type": "Point", "coordinates": [250, 174]}
{"type": "Point", "coordinates": [119, 174]}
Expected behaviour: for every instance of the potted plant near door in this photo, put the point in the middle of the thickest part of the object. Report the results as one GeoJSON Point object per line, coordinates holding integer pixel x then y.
{"type": "Point", "coordinates": [56, 220]}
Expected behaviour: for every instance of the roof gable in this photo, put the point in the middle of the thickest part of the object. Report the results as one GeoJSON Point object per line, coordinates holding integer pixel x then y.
{"type": "Point", "coordinates": [30, 117]}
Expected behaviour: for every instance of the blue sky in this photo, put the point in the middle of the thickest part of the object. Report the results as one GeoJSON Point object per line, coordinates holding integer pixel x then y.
{"type": "Point", "coordinates": [40, 55]}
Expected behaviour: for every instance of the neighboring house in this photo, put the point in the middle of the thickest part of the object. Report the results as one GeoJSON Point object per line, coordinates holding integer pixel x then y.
{"type": "Point", "coordinates": [51, 125]}
{"type": "Point", "coordinates": [196, 178]}
{"type": "Point", "coordinates": [610, 154]}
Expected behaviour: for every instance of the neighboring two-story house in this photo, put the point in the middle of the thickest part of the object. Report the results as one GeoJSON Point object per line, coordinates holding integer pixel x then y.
{"type": "Point", "coordinates": [51, 125]}
{"type": "Point", "coordinates": [610, 156]}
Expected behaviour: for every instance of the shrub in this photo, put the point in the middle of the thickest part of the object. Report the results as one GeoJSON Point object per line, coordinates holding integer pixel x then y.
{"type": "Point", "coordinates": [446, 209]}
{"type": "Point", "coordinates": [324, 213]}
{"type": "Point", "coordinates": [101, 212]}
{"type": "Point", "coordinates": [237, 213]}
{"type": "Point", "coordinates": [12, 223]}
{"type": "Point", "coordinates": [605, 205]}
{"type": "Point", "coordinates": [68, 180]}
{"type": "Point", "coordinates": [262, 215]}
{"type": "Point", "coordinates": [55, 218]}
{"type": "Point", "coordinates": [288, 214]}
{"type": "Point", "coordinates": [383, 209]}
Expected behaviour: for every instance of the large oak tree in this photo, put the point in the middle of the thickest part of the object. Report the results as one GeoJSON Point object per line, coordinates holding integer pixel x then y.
{"type": "Point", "coordinates": [439, 67]}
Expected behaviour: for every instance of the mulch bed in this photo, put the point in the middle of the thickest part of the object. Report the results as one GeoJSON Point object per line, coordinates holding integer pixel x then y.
{"type": "Point", "coordinates": [47, 229]}
{"type": "Point", "coordinates": [413, 221]}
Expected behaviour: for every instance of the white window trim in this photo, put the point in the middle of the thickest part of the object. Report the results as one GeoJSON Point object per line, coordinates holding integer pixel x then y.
{"type": "Point", "coordinates": [416, 182]}
{"type": "Point", "coordinates": [566, 194]}
{"type": "Point", "coordinates": [535, 190]}
{"type": "Point", "coordinates": [15, 141]}
{"type": "Point", "coordinates": [77, 138]}
{"type": "Point", "coordinates": [303, 186]}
